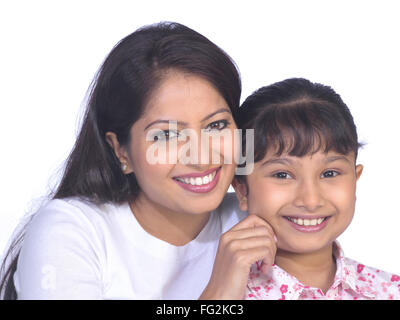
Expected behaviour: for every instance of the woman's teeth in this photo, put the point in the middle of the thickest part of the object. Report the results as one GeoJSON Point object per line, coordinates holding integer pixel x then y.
{"type": "Point", "coordinates": [307, 222]}
{"type": "Point", "coordinates": [198, 181]}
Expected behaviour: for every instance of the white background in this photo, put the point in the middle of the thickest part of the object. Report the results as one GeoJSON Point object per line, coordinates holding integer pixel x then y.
{"type": "Point", "coordinates": [50, 51]}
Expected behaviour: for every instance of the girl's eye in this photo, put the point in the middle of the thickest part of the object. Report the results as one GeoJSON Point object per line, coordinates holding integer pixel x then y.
{"type": "Point", "coordinates": [329, 174]}
{"type": "Point", "coordinates": [165, 135]}
{"type": "Point", "coordinates": [282, 175]}
{"type": "Point", "coordinates": [217, 125]}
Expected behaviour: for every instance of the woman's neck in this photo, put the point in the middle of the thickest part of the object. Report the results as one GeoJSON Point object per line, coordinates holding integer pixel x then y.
{"type": "Point", "coordinates": [315, 269]}
{"type": "Point", "coordinates": [175, 228]}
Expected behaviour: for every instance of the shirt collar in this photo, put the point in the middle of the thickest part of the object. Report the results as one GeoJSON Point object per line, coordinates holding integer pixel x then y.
{"type": "Point", "coordinates": [350, 275]}
{"type": "Point", "coordinates": [346, 276]}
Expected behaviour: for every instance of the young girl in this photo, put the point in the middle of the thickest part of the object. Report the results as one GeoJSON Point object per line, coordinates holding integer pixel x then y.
{"type": "Point", "coordinates": [122, 227]}
{"type": "Point", "coordinates": [304, 186]}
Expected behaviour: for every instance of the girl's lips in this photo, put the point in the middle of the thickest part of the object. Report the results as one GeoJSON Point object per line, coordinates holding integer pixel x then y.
{"type": "Point", "coordinates": [204, 187]}
{"type": "Point", "coordinates": [309, 228]}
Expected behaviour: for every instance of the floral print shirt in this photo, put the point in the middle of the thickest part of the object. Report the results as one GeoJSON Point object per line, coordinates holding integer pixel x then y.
{"type": "Point", "coordinates": [353, 281]}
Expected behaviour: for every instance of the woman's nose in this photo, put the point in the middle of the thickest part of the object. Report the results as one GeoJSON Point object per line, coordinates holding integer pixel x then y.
{"type": "Point", "coordinates": [201, 150]}
{"type": "Point", "coordinates": [193, 151]}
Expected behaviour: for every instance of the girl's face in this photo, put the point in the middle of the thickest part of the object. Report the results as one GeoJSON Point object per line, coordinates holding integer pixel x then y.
{"type": "Point", "coordinates": [309, 201]}
{"type": "Point", "coordinates": [159, 155]}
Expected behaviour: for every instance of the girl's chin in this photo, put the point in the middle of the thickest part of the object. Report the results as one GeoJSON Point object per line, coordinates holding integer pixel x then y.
{"type": "Point", "coordinates": [303, 247]}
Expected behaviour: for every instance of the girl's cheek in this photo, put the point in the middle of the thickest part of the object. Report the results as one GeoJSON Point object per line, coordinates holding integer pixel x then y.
{"type": "Point", "coordinates": [266, 199]}
{"type": "Point", "coordinates": [343, 195]}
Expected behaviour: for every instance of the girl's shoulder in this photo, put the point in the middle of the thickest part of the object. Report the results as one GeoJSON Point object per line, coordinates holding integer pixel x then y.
{"type": "Point", "coordinates": [380, 284]}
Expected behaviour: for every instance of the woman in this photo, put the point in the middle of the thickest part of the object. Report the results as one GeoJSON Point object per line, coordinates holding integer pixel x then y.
{"type": "Point", "coordinates": [121, 226]}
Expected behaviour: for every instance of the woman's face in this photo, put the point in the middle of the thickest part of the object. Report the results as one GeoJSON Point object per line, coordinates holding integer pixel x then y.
{"type": "Point", "coordinates": [177, 174]}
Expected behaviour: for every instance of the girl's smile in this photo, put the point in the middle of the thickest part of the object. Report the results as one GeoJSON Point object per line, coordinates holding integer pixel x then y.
{"type": "Point", "coordinates": [308, 224]}
{"type": "Point", "coordinates": [309, 201]}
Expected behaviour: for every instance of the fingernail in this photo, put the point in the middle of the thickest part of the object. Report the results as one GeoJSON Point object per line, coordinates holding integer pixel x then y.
{"type": "Point", "coordinates": [276, 239]}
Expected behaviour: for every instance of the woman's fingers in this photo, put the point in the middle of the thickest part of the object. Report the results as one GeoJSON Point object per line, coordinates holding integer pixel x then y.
{"type": "Point", "coordinates": [251, 221]}
{"type": "Point", "coordinates": [249, 241]}
{"type": "Point", "coordinates": [247, 233]}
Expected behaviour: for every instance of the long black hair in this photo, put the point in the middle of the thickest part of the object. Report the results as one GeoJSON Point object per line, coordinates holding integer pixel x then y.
{"type": "Point", "coordinates": [117, 98]}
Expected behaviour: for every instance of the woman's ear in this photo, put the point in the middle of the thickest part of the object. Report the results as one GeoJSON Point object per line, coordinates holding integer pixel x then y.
{"type": "Point", "coordinates": [241, 193]}
{"type": "Point", "coordinates": [119, 151]}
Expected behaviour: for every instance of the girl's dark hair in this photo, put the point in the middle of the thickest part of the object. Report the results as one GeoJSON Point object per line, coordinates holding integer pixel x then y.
{"type": "Point", "coordinates": [117, 99]}
{"type": "Point", "coordinates": [298, 117]}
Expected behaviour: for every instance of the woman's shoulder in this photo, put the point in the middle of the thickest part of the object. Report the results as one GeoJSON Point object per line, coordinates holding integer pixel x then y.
{"type": "Point", "coordinates": [70, 208]}
{"type": "Point", "coordinates": [71, 215]}
{"type": "Point", "coordinates": [230, 212]}
{"type": "Point", "coordinates": [66, 236]}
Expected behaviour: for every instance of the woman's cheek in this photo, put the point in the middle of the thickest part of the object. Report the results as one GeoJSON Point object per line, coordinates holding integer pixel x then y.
{"type": "Point", "coordinates": [222, 147]}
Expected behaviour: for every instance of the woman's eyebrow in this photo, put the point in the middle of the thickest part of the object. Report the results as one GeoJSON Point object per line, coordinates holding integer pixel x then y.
{"type": "Point", "coordinates": [215, 112]}
{"type": "Point", "coordinates": [182, 123]}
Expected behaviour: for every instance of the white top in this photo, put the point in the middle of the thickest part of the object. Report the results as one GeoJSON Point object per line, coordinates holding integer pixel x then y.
{"type": "Point", "coordinates": [77, 250]}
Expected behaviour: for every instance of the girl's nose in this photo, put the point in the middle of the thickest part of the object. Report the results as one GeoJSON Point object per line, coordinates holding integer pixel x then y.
{"type": "Point", "coordinates": [309, 196]}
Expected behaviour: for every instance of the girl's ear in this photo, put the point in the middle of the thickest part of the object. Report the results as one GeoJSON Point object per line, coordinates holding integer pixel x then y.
{"type": "Point", "coordinates": [241, 193]}
{"type": "Point", "coordinates": [359, 170]}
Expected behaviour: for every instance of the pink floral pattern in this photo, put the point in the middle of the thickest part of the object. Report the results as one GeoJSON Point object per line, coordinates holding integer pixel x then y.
{"type": "Point", "coordinates": [353, 281]}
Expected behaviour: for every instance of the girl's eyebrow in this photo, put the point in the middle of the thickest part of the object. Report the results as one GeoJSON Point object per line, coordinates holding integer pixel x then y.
{"type": "Point", "coordinates": [182, 123]}
{"type": "Point", "coordinates": [287, 161]}
{"type": "Point", "coordinates": [284, 161]}
{"type": "Point", "coordinates": [335, 158]}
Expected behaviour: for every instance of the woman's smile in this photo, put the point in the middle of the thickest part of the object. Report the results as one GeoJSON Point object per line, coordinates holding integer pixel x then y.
{"type": "Point", "coordinates": [199, 182]}
{"type": "Point", "coordinates": [190, 180]}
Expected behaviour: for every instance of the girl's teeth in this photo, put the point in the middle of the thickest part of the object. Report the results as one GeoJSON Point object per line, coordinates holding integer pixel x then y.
{"type": "Point", "coordinates": [198, 181]}
{"type": "Point", "coordinates": [307, 222]}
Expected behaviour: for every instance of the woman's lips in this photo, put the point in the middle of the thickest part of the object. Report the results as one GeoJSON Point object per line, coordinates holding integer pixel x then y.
{"type": "Point", "coordinates": [199, 182]}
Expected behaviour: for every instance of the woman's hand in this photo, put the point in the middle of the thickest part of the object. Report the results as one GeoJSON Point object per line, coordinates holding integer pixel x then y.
{"type": "Point", "coordinates": [251, 240]}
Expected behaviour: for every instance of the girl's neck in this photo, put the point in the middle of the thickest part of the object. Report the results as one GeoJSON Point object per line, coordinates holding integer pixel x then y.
{"type": "Point", "coordinates": [173, 227]}
{"type": "Point", "coordinates": [316, 269]}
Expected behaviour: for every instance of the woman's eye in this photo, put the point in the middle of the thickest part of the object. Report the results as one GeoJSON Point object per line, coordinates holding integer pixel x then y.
{"type": "Point", "coordinates": [165, 135]}
{"type": "Point", "coordinates": [329, 174]}
{"type": "Point", "coordinates": [217, 125]}
{"type": "Point", "coordinates": [282, 175]}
